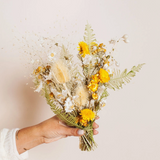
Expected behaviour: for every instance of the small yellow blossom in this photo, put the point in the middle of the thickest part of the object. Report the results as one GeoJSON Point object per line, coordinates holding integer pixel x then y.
{"type": "Point", "coordinates": [94, 96]}
{"type": "Point", "coordinates": [95, 78]}
{"type": "Point", "coordinates": [39, 77]}
{"type": "Point", "coordinates": [87, 115]}
{"type": "Point", "coordinates": [83, 49]}
{"type": "Point", "coordinates": [48, 81]}
{"type": "Point", "coordinates": [80, 120]}
{"type": "Point", "coordinates": [93, 86]}
{"type": "Point", "coordinates": [101, 45]}
{"type": "Point", "coordinates": [103, 76]}
{"type": "Point", "coordinates": [83, 122]}
{"type": "Point", "coordinates": [51, 95]}
{"type": "Point", "coordinates": [107, 62]}
{"type": "Point", "coordinates": [38, 70]}
{"type": "Point", "coordinates": [52, 54]}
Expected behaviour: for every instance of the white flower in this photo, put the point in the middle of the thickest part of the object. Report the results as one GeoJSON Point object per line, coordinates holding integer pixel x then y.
{"type": "Point", "coordinates": [51, 56]}
{"type": "Point", "coordinates": [110, 70]}
{"type": "Point", "coordinates": [87, 59]}
{"type": "Point", "coordinates": [112, 41]}
{"type": "Point", "coordinates": [59, 96]}
{"type": "Point", "coordinates": [103, 102]}
{"type": "Point", "coordinates": [39, 87]}
{"type": "Point", "coordinates": [105, 66]}
{"type": "Point", "coordinates": [68, 105]}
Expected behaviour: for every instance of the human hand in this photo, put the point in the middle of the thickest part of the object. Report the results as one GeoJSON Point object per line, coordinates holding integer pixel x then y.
{"type": "Point", "coordinates": [53, 129]}
{"type": "Point", "coordinates": [48, 131]}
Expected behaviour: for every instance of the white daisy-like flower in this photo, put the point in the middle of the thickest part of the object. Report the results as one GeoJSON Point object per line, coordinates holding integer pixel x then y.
{"type": "Point", "coordinates": [108, 69]}
{"type": "Point", "coordinates": [103, 102]}
{"type": "Point", "coordinates": [39, 88]}
{"type": "Point", "coordinates": [87, 59]}
{"type": "Point", "coordinates": [68, 105]}
{"type": "Point", "coordinates": [51, 56]}
{"type": "Point", "coordinates": [105, 66]}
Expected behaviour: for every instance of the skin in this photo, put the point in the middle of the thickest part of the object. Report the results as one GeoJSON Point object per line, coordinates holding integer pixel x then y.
{"type": "Point", "coordinates": [46, 132]}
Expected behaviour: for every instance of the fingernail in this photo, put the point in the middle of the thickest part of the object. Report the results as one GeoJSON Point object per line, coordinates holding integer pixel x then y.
{"type": "Point", "coordinates": [80, 132]}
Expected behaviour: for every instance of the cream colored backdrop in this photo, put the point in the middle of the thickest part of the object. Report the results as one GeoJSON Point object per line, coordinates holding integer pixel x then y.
{"type": "Point", "coordinates": [130, 123]}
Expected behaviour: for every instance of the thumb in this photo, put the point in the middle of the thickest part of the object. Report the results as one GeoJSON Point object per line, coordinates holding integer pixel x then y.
{"type": "Point", "coordinates": [71, 131]}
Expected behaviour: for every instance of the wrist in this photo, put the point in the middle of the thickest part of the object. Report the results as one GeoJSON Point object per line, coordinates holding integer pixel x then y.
{"type": "Point", "coordinates": [28, 138]}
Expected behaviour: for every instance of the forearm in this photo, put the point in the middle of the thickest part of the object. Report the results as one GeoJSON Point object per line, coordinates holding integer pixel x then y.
{"type": "Point", "coordinates": [28, 138]}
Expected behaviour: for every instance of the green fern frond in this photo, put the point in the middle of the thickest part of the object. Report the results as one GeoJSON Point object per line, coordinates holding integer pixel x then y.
{"type": "Point", "coordinates": [67, 118]}
{"type": "Point", "coordinates": [88, 35]}
{"type": "Point", "coordinates": [104, 94]}
{"type": "Point", "coordinates": [121, 78]}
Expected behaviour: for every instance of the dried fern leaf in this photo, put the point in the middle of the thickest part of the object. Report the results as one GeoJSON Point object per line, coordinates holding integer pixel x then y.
{"type": "Point", "coordinates": [122, 78]}
{"type": "Point", "coordinates": [67, 118]}
{"type": "Point", "coordinates": [104, 94]}
{"type": "Point", "coordinates": [88, 35]}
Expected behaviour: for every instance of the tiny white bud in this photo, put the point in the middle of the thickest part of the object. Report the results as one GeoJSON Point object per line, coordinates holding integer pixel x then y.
{"type": "Point", "coordinates": [125, 36]}
{"type": "Point", "coordinates": [112, 41]}
{"type": "Point", "coordinates": [126, 40]}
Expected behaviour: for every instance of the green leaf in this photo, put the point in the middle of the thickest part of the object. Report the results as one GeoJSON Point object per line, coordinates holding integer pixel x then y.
{"type": "Point", "coordinates": [67, 118]}
{"type": "Point", "coordinates": [88, 35]}
{"type": "Point", "coordinates": [119, 79]}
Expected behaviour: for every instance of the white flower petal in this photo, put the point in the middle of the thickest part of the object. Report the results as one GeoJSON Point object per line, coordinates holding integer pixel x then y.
{"type": "Point", "coordinates": [68, 105]}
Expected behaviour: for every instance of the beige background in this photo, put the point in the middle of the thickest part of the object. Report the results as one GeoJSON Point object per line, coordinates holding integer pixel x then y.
{"type": "Point", "coordinates": [130, 123]}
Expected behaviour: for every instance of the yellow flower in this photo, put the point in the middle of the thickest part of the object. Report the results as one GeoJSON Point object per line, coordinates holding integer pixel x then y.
{"type": "Point", "coordinates": [93, 86]}
{"type": "Point", "coordinates": [51, 95]}
{"type": "Point", "coordinates": [103, 76]}
{"type": "Point", "coordinates": [95, 78]}
{"type": "Point", "coordinates": [94, 96]}
{"type": "Point", "coordinates": [83, 49]}
{"type": "Point", "coordinates": [83, 122]}
{"type": "Point", "coordinates": [87, 115]}
{"type": "Point", "coordinates": [38, 70]}
{"type": "Point", "coordinates": [49, 81]}
{"type": "Point", "coordinates": [107, 62]}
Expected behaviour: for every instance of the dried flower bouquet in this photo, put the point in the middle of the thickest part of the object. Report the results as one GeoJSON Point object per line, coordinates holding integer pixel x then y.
{"type": "Point", "coordinates": [75, 94]}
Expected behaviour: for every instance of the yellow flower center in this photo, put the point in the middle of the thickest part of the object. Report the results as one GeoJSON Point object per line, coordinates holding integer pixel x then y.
{"type": "Point", "coordinates": [52, 54]}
